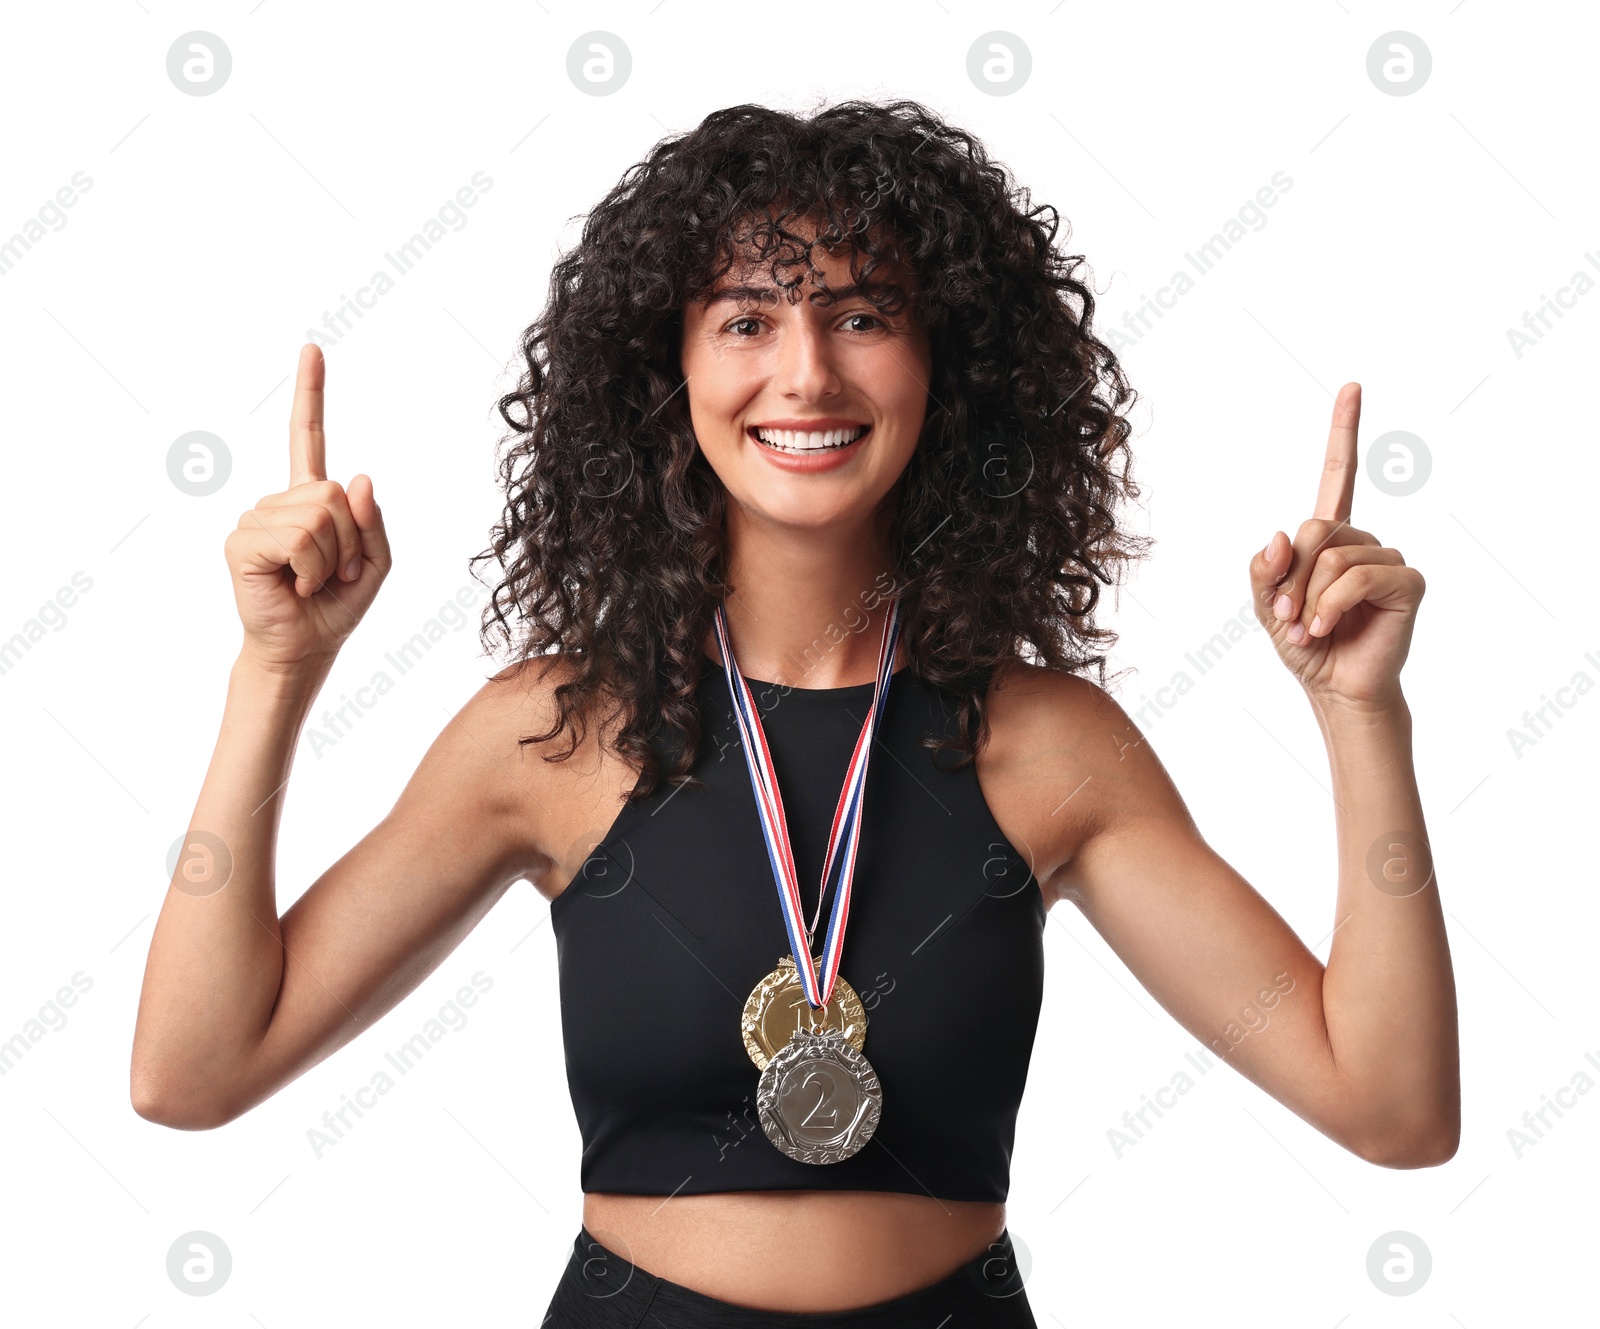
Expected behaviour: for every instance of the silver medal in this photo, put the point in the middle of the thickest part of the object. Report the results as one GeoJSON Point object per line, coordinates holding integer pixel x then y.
{"type": "Point", "coordinates": [819, 1099]}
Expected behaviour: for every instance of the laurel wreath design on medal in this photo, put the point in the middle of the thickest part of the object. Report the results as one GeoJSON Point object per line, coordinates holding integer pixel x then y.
{"type": "Point", "coordinates": [763, 1023]}
{"type": "Point", "coordinates": [819, 1099]}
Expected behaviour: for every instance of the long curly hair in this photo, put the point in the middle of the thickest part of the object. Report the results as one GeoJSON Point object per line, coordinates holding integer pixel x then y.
{"type": "Point", "coordinates": [612, 537]}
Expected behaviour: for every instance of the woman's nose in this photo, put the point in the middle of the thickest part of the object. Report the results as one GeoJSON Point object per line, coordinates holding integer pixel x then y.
{"type": "Point", "coordinates": [805, 361]}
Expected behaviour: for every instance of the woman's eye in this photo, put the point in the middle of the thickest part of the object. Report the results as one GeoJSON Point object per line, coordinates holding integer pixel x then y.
{"type": "Point", "coordinates": [753, 324]}
{"type": "Point", "coordinates": [870, 318]}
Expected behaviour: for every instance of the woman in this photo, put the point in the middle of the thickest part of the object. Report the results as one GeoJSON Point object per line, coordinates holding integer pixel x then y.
{"type": "Point", "coordinates": [815, 466]}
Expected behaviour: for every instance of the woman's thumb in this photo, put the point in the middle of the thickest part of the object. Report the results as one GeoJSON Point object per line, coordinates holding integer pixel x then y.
{"type": "Point", "coordinates": [368, 517]}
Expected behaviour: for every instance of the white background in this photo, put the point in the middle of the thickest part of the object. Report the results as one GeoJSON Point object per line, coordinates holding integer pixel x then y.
{"type": "Point", "coordinates": [219, 228]}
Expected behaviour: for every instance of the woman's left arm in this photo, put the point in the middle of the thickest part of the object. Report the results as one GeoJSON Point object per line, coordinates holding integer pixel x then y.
{"type": "Point", "coordinates": [1388, 991]}
{"type": "Point", "coordinates": [1365, 1047]}
{"type": "Point", "coordinates": [1340, 608]}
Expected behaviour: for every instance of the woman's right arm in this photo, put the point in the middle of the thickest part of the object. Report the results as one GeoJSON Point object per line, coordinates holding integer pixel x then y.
{"type": "Point", "coordinates": [237, 1002]}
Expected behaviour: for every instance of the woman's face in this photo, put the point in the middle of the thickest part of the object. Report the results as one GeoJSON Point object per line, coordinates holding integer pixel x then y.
{"type": "Point", "coordinates": [807, 411]}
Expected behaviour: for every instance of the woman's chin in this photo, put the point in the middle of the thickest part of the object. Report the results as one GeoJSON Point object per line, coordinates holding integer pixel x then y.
{"type": "Point", "coordinates": [780, 506]}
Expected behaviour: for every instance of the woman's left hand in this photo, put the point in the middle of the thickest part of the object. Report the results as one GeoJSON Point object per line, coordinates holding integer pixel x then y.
{"type": "Point", "coordinates": [1338, 605]}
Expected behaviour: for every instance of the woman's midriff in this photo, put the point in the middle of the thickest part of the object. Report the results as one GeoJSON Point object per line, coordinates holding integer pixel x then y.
{"type": "Point", "coordinates": [799, 1251]}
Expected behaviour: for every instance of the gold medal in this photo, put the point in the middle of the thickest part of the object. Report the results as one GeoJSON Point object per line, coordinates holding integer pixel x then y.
{"type": "Point", "coordinates": [777, 1007]}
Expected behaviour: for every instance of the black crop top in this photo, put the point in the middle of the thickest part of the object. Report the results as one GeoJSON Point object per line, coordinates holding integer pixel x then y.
{"type": "Point", "coordinates": [674, 918]}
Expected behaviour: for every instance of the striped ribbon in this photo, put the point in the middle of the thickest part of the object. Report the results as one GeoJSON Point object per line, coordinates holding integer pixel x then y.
{"type": "Point", "coordinates": [845, 835]}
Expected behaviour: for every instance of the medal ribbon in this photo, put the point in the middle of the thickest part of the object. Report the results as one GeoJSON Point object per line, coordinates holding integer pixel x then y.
{"type": "Point", "coordinates": [845, 836]}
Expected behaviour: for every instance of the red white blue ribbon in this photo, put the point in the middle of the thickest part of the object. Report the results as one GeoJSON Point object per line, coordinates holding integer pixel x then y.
{"type": "Point", "coordinates": [845, 836]}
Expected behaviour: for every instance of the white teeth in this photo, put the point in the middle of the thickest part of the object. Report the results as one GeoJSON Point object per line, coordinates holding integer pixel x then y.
{"type": "Point", "coordinates": [792, 440]}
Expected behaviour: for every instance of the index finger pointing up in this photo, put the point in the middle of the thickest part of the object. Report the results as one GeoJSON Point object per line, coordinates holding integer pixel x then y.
{"type": "Point", "coordinates": [307, 460]}
{"type": "Point", "coordinates": [1339, 466]}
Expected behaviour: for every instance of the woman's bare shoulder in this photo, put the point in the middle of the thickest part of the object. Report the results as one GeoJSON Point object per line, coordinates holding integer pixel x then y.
{"type": "Point", "coordinates": [561, 803]}
{"type": "Point", "coordinates": [1053, 761]}
{"type": "Point", "coordinates": [521, 702]}
{"type": "Point", "coordinates": [1026, 695]}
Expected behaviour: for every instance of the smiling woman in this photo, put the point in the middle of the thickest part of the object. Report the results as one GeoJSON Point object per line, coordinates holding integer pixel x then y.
{"type": "Point", "coordinates": [810, 493]}
{"type": "Point", "coordinates": [867, 265]}
{"type": "Point", "coordinates": [750, 356]}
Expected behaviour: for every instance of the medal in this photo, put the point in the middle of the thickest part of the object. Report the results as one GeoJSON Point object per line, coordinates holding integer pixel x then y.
{"type": "Point", "coordinates": [819, 1100]}
{"type": "Point", "coordinates": [803, 1025]}
{"type": "Point", "coordinates": [777, 1006]}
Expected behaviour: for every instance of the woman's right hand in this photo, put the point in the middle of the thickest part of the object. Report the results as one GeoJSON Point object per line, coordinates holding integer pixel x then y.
{"type": "Point", "coordinates": [307, 562]}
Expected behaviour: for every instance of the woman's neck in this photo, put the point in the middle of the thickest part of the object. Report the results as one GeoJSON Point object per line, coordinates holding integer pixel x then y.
{"type": "Point", "coordinates": [806, 610]}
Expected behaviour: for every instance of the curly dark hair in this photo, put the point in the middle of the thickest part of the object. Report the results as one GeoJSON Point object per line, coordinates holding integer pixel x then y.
{"type": "Point", "coordinates": [612, 536]}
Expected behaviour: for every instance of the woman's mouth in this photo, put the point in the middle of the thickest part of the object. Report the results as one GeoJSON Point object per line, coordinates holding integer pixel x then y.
{"type": "Point", "coordinates": [804, 442]}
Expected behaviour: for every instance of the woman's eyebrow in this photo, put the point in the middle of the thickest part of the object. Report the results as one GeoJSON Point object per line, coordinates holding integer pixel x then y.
{"type": "Point", "coordinates": [743, 295]}
{"type": "Point", "coordinates": [769, 294]}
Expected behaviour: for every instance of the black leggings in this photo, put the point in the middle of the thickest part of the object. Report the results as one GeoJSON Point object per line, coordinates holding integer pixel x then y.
{"type": "Point", "coordinates": [601, 1290]}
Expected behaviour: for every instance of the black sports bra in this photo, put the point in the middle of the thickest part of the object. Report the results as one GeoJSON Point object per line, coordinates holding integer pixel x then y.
{"type": "Point", "coordinates": [674, 918]}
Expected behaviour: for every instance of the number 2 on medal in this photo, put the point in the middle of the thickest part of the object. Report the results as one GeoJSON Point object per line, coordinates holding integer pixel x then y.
{"type": "Point", "coordinates": [823, 1096]}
